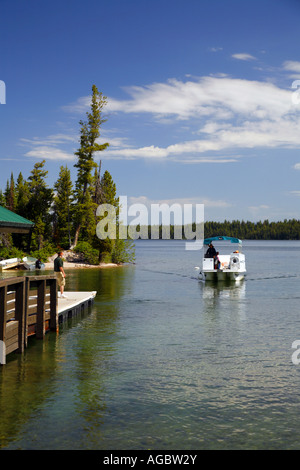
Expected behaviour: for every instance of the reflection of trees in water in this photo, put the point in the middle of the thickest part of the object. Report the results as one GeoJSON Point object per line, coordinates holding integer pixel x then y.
{"type": "Point", "coordinates": [78, 359]}
{"type": "Point", "coordinates": [26, 382]}
{"type": "Point", "coordinates": [95, 347]}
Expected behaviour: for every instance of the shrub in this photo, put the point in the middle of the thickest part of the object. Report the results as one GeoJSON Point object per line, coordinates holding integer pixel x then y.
{"type": "Point", "coordinates": [105, 257]}
{"type": "Point", "coordinates": [6, 253]}
{"type": "Point", "coordinates": [43, 254]}
{"type": "Point", "coordinates": [91, 255]}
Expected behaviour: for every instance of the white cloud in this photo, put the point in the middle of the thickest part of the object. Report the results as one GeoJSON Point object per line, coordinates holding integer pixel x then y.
{"type": "Point", "coordinates": [49, 153]}
{"type": "Point", "coordinates": [215, 49]}
{"type": "Point", "coordinates": [249, 135]}
{"type": "Point", "coordinates": [297, 166]}
{"type": "Point", "coordinates": [231, 114]}
{"type": "Point", "coordinates": [190, 200]}
{"type": "Point", "coordinates": [79, 106]}
{"type": "Point", "coordinates": [50, 140]}
{"type": "Point", "coordinates": [292, 66]}
{"type": "Point", "coordinates": [243, 56]}
{"type": "Point", "coordinates": [220, 97]}
{"type": "Point", "coordinates": [259, 212]}
{"type": "Point", "coordinates": [48, 147]}
{"type": "Point", "coordinates": [257, 208]}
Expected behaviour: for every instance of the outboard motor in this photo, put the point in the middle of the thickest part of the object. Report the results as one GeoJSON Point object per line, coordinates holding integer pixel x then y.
{"type": "Point", "coordinates": [234, 262]}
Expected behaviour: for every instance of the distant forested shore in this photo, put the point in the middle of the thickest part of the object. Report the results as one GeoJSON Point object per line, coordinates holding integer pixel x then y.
{"type": "Point", "coordinates": [283, 230]}
{"type": "Point", "coordinates": [262, 230]}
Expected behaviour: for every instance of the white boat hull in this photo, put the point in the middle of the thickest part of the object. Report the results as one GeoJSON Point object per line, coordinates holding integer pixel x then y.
{"type": "Point", "coordinates": [217, 276]}
{"type": "Point", "coordinates": [9, 263]}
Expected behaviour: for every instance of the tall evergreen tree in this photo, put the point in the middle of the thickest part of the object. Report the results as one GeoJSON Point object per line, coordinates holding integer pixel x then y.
{"type": "Point", "coordinates": [21, 207]}
{"type": "Point", "coordinates": [107, 194]}
{"type": "Point", "coordinates": [112, 249]}
{"type": "Point", "coordinates": [2, 198]}
{"type": "Point", "coordinates": [22, 196]}
{"type": "Point", "coordinates": [10, 196]}
{"type": "Point", "coordinates": [89, 133]}
{"type": "Point", "coordinates": [63, 208]}
{"type": "Point", "coordinates": [39, 203]}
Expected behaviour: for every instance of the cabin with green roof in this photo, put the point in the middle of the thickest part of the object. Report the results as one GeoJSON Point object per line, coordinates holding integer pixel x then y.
{"type": "Point", "coordinates": [13, 223]}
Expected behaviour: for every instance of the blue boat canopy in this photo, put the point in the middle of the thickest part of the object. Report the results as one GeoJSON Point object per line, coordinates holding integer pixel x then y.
{"type": "Point", "coordinates": [207, 241]}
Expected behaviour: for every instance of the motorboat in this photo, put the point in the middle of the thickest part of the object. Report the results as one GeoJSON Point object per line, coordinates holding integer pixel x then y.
{"type": "Point", "coordinates": [222, 267]}
{"type": "Point", "coordinates": [9, 263]}
{"type": "Point", "coordinates": [30, 263]}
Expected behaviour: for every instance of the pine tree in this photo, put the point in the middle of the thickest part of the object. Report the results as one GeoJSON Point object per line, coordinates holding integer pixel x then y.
{"type": "Point", "coordinates": [89, 133]}
{"type": "Point", "coordinates": [2, 198]}
{"type": "Point", "coordinates": [63, 208]}
{"type": "Point", "coordinates": [114, 249]}
{"type": "Point", "coordinates": [21, 207]}
{"type": "Point", "coordinates": [39, 203]}
{"type": "Point", "coordinates": [22, 196]}
{"type": "Point", "coordinates": [10, 197]}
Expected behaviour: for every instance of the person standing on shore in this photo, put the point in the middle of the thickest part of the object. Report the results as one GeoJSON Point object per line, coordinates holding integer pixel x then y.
{"type": "Point", "coordinates": [60, 273]}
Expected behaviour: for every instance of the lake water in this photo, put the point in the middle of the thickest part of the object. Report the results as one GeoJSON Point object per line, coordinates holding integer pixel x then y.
{"type": "Point", "coordinates": [163, 361]}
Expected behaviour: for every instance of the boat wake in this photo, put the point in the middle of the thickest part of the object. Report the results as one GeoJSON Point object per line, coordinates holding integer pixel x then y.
{"type": "Point", "coordinates": [266, 278]}
{"type": "Point", "coordinates": [171, 273]}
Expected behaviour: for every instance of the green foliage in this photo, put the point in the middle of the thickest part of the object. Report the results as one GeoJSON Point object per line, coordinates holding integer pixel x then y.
{"type": "Point", "coordinates": [5, 253]}
{"type": "Point", "coordinates": [105, 257]}
{"type": "Point", "coordinates": [2, 198]}
{"type": "Point", "coordinates": [13, 252]}
{"type": "Point", "coordinates": [22, 196]}
{"type": "Point", "coordinates": [283, 230]}
{"type": "Point", "coordinates": [44, 253]}
{"type": "Point", "coordinates": [38, 207]}
{"type": "Point", "coordinates": [91, 255]}
{"type": "Point", "coordinates": [63, 208]}
{"type": "Point", "coordinates": [123, 252]}
{"type": "Point", "coordinates": [10, 194]}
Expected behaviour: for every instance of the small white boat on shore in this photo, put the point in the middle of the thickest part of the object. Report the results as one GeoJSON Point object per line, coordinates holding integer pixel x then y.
{"type": "Point", "coordinates": [219, 267]}
{"type": "Point", "coordinates": [9, 263]}
{"type": "Point", "coordinates": [30, 263]}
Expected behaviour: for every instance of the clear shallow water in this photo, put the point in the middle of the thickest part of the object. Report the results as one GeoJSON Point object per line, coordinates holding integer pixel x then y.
{"type": "Point", "coordinates": [162, 361]}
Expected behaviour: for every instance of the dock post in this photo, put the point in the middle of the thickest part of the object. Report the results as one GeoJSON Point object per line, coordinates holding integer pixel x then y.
{"type": "Point", "coordinates": [41, 301]}
{"type": "Point", "coordinates": [3, 307]}
{"type": "Point", "coordinates": [20, 314]}
{"type": "Point", "coordinates": [53, 305]}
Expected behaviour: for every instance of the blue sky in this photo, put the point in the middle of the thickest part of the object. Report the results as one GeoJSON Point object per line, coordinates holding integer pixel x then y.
{"type": "Point", "coordinates": [202, 98]}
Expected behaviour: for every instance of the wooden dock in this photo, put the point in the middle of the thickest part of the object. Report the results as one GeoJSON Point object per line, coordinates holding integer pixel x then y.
{"type": "Point", "coordinates": [29, 305]}
{"type": "Point", "coordinates": [73, 304]}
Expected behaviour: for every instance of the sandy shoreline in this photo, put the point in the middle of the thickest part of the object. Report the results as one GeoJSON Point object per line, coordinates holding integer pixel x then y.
{"type": "Point", "coordinates": [74, 260]}
{"type": "Point", "coordinates": [74, 265]}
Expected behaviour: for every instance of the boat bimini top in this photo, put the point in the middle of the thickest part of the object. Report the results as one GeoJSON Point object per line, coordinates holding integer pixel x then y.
{"type": "Point", "coordinates": [208, 241]}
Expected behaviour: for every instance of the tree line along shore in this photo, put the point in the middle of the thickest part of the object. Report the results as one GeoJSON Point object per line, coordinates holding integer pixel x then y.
{"type": "Point", "coordinates": [246, 230]}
